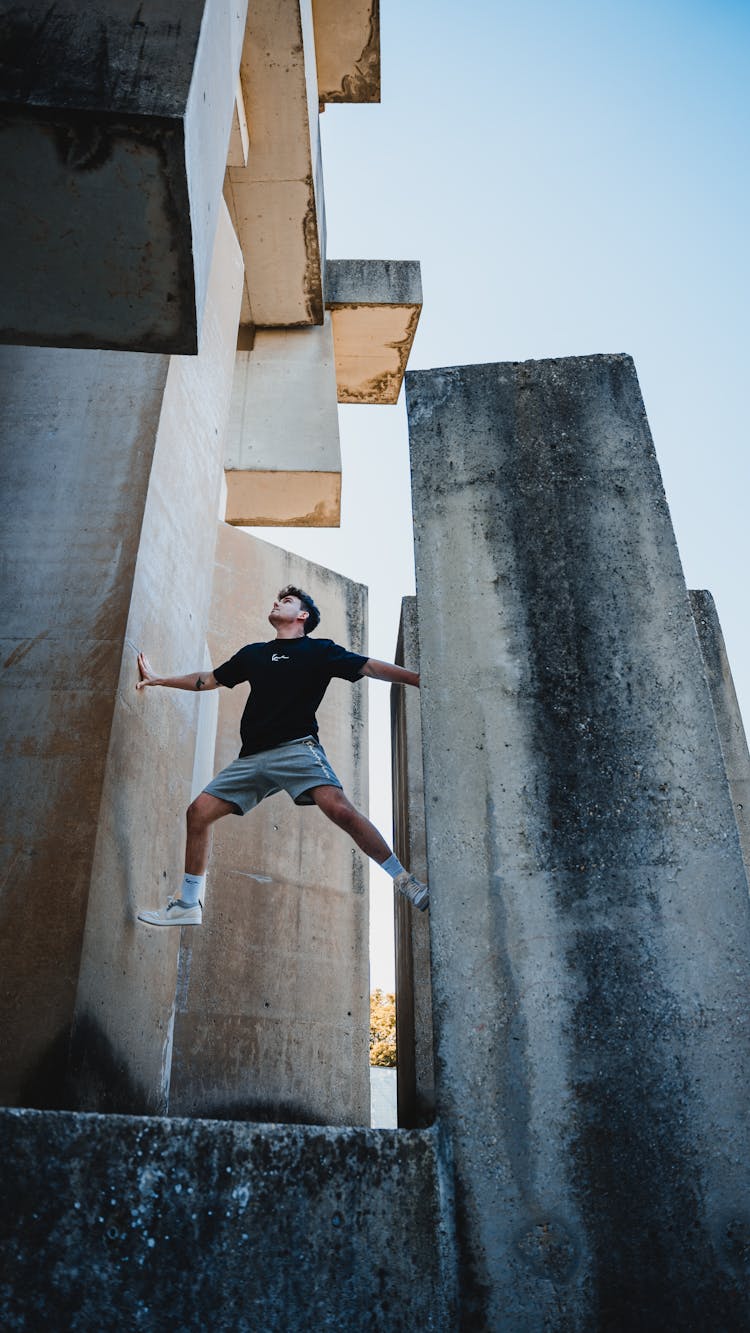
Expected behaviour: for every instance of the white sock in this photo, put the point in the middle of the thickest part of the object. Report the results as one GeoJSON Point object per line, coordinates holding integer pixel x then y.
{"type": "Point", "coordinates": [393, 866]}
{"type": "Point", "coordinates": [192, 889]}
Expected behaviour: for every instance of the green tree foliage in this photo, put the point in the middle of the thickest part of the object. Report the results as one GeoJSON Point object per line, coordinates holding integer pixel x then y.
{"type": "Point", "coordinates": [383, 1029]}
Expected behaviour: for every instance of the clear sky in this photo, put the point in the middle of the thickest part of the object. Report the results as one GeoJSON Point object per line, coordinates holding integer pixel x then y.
{"type": "Point", "coordinates": [573, 178]}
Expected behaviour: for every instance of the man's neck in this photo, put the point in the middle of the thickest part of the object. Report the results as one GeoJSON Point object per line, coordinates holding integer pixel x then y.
{"type": "Point", "coordinates": [291, 634]}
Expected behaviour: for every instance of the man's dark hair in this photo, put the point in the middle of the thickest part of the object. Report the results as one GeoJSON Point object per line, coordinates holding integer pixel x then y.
{"type": "Point", "coordinates": [313, 614]}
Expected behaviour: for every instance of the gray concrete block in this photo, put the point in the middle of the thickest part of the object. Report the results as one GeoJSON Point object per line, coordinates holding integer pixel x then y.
{"type": "Point", "coordinates": [373, 282]}
{"type": "Point", "coordinates": [113, 144]}
{"type": "Point", "coordinates": [589, 917]}
{"type": "Point", "coordinates": [112, 1222]}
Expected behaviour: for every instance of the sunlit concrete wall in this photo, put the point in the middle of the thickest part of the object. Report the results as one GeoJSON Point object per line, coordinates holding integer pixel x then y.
{"type": "Point", "coordinates": [272, 1015]}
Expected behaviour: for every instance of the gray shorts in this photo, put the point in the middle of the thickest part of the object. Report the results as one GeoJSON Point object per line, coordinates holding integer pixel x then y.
{"type": "Point", "coordinates": [294, 767]}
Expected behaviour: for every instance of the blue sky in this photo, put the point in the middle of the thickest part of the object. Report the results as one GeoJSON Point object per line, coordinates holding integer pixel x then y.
{"type": "Point", "coordinates": [573, 178]}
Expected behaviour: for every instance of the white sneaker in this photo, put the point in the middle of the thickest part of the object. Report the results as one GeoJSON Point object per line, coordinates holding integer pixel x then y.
{"type": "Point", "coordinates": [413, 889]}
{"type": "Point", "coordinates": [176, 913]}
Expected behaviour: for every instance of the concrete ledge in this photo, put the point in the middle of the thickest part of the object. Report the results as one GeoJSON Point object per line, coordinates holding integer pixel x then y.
{"type": "Point", "coordinates": [375, 306]}
{"type": "Point", "coordinates": [112, 149]}
{"type": "Point", "coordinates": [347, 50]}
{"type": "Point", "coordinates": [113, 1222]}
{"type": "Point", "coordinates": [283, 499]}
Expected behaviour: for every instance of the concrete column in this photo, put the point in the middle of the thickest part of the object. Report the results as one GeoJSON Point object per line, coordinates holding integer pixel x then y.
{"type": "Point", "coordinates": [113, 471]}
{"type": "Point", "coordinates": [728, 717]}
{"type": "Point", "coordinates": [273, 1000]}
{"type": "Point", "coordinates": [590, 921]}
{"type": "Point", "coordinates": [415, 1072]}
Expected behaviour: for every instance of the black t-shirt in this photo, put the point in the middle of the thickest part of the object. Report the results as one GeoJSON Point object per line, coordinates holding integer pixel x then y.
{"type": "Point", "coordinates": [288, 678]}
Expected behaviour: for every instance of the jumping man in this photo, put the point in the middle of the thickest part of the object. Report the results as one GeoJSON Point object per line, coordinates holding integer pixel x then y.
{"type": "Point", "coordinates": [288, 677]}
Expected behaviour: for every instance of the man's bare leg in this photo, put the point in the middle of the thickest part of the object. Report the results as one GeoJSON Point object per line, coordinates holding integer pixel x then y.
{"type": "Point", "coordinates": [339, 809]}
{"type": "Point", "coordinates": [201, 814]}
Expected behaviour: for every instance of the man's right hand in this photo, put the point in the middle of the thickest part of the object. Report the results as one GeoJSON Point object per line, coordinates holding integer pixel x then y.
{"type": "Point", "coordinates": [147, 673]}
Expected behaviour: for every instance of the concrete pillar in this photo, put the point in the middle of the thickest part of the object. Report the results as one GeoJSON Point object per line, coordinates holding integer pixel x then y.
{"type": "Point", "coordinates": [273, 1001]}
{"type": "Point", "coordinates": [590, 921]}
{"type": "Point", "coordinates": [113, 470]}
{"type": "Point", "coordinates": [728, 717]}
{"type": "Point", "coordinates": [415, 1072]}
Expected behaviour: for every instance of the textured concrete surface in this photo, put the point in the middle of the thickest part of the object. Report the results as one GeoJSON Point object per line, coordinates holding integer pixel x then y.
{"type": "Point", "coordinates": [590, 919]}
{"type": "Point", "coordinates": [112, 1223]}
{"type": "Point", "coordinates": [276, 200]}
{"type": "Point", "coordinates": [122, 1035]}
{"type": "Point", "coordinates": [112, 152]}
{"type": "Point", "coordinates": [375, 306]}
{"type": "Point", "coordinates": [728, 716]}
{"type": "Point", "coordinates": [416, 1076]}
{"type": "Point", "coordinates": [273, 999]}
{"type": "Point", "coordinates": [284, 426]}
{"type": "Point", "coordinates": [347, 50]}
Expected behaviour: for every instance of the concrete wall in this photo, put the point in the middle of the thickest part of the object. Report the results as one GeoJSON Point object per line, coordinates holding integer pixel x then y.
{"type": "Point", "coordinates": [122, 1036]}
{"type": "Point", "coordinates": [112, 471]}
{"type": "Point", "coordinates": [728, 717]}
{"type": "Point", "coordinates": [589, 915]}
{"type": "Point", "coordinates": [416, 1078]}
{"type": "Point", "coordinates": [273, 1011]}
{"type": "Point", "coordinates": [113, 1223]}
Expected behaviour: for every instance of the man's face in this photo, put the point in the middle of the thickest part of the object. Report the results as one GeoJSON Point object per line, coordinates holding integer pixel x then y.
{"type": "Point", "coordinates": [285, 611]}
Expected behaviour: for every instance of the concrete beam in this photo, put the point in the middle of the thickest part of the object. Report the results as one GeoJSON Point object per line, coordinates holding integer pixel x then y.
{"type": "Point", "coordinates": [282, 454]}
{"type": "Point", "coordinates": [347, 50]}
{"type": "Point", "coordinates": [590, 920]}
{"type": "Point", "coordinates": [276, 200]}
{"type": "Point", "coordinates": [375, 306]}
{"type": "Point", "coordinates": [112, 148]}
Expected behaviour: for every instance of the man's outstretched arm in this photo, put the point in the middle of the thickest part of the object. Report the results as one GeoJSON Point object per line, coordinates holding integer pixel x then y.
{"type": "Point", "coordinates": [396, 675]}
{"type": "Point", "coordinates": [198, 680]}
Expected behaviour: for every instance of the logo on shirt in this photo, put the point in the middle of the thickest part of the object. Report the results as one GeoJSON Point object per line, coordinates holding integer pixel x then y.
{"type": "Point", "coordinates": [279, 657]}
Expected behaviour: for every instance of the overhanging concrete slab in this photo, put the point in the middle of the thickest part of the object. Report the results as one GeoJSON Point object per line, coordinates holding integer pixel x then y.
{"type": "Point", "coordinates": [113, 139]}
{"type": "Point", "coordinates": [375, 306]}
{"type": "Point", "coordinates": [282, 453]}
{"type": "Point", "coordinates": [276, 200]}
{"type": "Point", "coordinates": [347, 50]}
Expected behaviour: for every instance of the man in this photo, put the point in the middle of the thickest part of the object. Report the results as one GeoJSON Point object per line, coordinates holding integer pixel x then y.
{"type": "Point", "coordinates": [288, 677]}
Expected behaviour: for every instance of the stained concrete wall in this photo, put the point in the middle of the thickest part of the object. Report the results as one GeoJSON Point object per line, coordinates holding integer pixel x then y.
{"type": "Point", "coordinates": [726, 707]}
{"type": "Point", "coordinates": [112, 152]}
{"type": "Point", "coordinates": [415, 1072]}
{"type": "Point", "coordinates": [97, 446]}
{"type": "Point", "coordinates": [122, 1037]}
{"type": "Point", "coordinates": [589, 914]}
{"type": "Point", "coordinates": [273, 1011]}
{"type": "Point", "coordinates": [112, 1222]}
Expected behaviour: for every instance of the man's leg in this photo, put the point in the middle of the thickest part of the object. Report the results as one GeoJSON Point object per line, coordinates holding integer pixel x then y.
{"type": "Point", "coordinates": [187, 908]}
{"type": "Point", "coordinates": [338, 808]}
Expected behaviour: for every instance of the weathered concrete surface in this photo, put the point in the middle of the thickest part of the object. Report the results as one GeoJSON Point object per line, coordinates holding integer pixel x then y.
{"type": "Point", "coordinates": [727, 710]}
{"type": "Point", "coordinates": [78, 431]}
{"type": "Point", "coordinates": [347, 50]}
{"type": "Point", "coordinates": [113, 142]}
{"type": "Point", "coordinates": [375, 306]}
{"type": "Point", "coordinates": [109, 1223]}
{"type": "Point", "coordinates": [416, 1075]}
{"type": "Point", "coordinates": [590, 920]}
{"type": "Point", "coordinates": [122, 1035]}
{"type": "Point", "coordinates": [283, 431]}
{"type": "Point", "coordinates": [273, 1000]}
{"type": "Point", "coordinates": [276, 200]}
